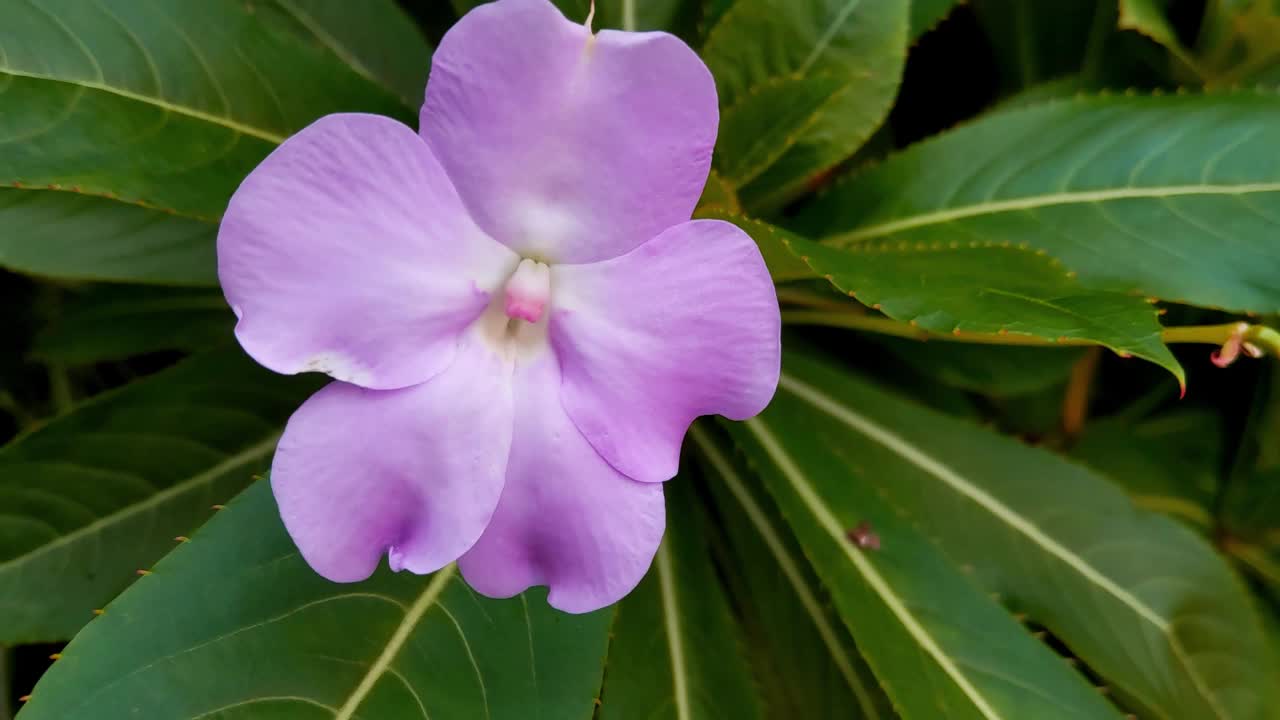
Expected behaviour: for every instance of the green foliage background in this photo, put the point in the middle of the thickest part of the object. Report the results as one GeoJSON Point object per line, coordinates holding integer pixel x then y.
{"type": "Point", "coordinates": [1004, 233]}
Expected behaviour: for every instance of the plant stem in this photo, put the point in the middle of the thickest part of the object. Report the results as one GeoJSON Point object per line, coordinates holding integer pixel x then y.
{"type": "Point", "coordinates": [1260, 336]}
{"type": "Point", "coordinates": [1075, 402]}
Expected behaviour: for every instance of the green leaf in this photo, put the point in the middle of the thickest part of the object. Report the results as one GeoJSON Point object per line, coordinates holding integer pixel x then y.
{"type": "Point", "coordinates": [168, 102]}
{"type": "Point", "coordinates": [1167, 463]}
{"type": "Point", "coordinates": [89, 238]}
{"type": "Point", "coordinates": [163, 105]}
{"type": "Point", "coordinates": [675, 653]}
{"type": "Point", "coordinates": [718, 196]}
{"type": "Point", "coordinates": [1239, 41]}
{"type": "Point", "coordinates": [90, 498]}
{"type": "Point", "coordinates": [1146, 603]}
{"type": "Point", "coordinates": [987, 288]}
{"type": "Point", "coordinates": [234, 624]}
{"type": "Point", "coordinates": [641, 14]}
{"type": "Point", "coordinates": [803, 84]}
{"type": "Point", "coordinates": [996, 371]}
{"type": "Point", "coordinates": [1237, 45]}
{"type": "Point", "coordinates": [1148, 17]}
{"type": "Point", "coordinates": [1037, 41]}
{"type": "Point", "coordinates": [376, 38]}
{"type": "Point", "coordinates": [1254, 505]}
{"type": "Point", "coordinates": [1262, 561]}
{"type": "Point", "coordinates": [113, 322]}
{"type": "Point", "coordinates": [926, 14]}
{"type": "Point", "coordinates": [806, 663]}
{"type": "Point", "coordinates": [939, 646]}
{"type": "Point", "coordinates": [1135, 194]}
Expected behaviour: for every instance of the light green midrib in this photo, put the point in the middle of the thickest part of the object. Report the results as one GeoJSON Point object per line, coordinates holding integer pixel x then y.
{"type": "Point", "coordinates": [245, 456]}
{"type": "Point", "coordinates": [1035, 202]}
{"type": "Point", "coordinates": [828, 35]}
{"type": "Point", "coordinates": [789, 569]}
{"type": "Point", "coordinates": [675, 642]}
{"type": "Point", "coordinates": [396, 642]}
{"type": "Point", "coordinates": [219, 120]}
{"type": "Point", "coordinates": [907, 451]}
{"type": "Point", "coordinates": [810, 498]}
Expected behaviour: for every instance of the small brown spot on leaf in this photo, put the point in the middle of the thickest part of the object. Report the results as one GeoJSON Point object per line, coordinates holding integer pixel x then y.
{"type": "Point", "coordinates": [864, 537]}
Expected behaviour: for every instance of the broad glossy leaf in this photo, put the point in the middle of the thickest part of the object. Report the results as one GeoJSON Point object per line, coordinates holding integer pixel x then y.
{"type": "Point", "coordinates": [926, 14]}
{"type": "Point", "coordinates": [169, 103]}
{"type": "Point", "coordinates": [376, 38]}
{"type": "Point", "coordinates": [90, 498]}
{"type": "Point", "coordinates": [987, 287]}
{"type": "Point", "coordinates": [803, 84]}
{"type": "Point", "coordinates": [1168, 463]}
{"type": "Point", "coordinates": [939, 646]}
{"type": "Point", "coordinates": [81, 237]}
{"type": "Point", "coordinates": [675, 651]}
{"type": "Point", "coordinates": [113, 322]}
{"type": "Point", "coordinates": [1165, 196]}
{"type": "Point", "coordinates": [806, 663]}
{"type": "Point", "coordinates": [1060, 88]}
{"type": "Point", "coordinates": [164, 105]}
{"type": "Point", "coordinates": [1143, 601]}
{"type": "Point", "coordinates": [234, 624]}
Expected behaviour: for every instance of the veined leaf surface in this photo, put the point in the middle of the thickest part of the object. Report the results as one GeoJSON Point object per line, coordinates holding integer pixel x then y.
{"type": "Point", "coordinates": [939, 646]}
{"type": "Point", "coordinates": [99, 493]}
{"type": "Point", "coordinates": [675, 651]}
{"type": "Point", "coordinates": [1145, 602]}
{"type": "Point", "coordinates": [181, 643]}
{"type": "Point", "coordinates": [803, 84]}
{"type": "Point", "coordinates": [122, 100]}
{"type": "Point", "coordinates": [805, 662]}
{"type": "Point", "coordinates": [1168, 197]}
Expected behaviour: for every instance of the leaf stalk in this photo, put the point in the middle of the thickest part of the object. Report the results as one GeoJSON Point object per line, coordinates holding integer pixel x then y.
{"type": "Point", "coordinates": [1258, 337]}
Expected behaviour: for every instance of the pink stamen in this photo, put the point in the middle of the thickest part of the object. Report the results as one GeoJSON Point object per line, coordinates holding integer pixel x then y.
{"type": "Point", "coordinates": [528, 291]}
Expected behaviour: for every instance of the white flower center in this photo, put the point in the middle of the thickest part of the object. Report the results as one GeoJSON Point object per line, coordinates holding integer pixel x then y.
{"type": "Point", "coordinates": [528, 291]}
{"type": "Point", "coordinates": [515, 324]}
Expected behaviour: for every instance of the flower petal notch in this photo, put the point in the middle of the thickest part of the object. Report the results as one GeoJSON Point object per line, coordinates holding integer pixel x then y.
{"type": "Point", "coordinates": [568, 145]}
{"type": "Point", "coordinates": [519, 315]}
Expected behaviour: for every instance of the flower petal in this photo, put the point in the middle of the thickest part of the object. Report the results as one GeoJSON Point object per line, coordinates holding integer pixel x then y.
{"type": "Point", "coordinates": [417, 471]}
{"type": "Point", "coordinates": [685, 325]}
{"type": "Point", "coordinates": [566, 519]}
{"type": "Point", "coordinates": [347, 251]}
{"type": "Point", "coordinates": [569, 147]}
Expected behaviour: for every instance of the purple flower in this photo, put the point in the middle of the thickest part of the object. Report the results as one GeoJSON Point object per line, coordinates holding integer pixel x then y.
{"type": "Point", "coordinates": [520, 315]}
